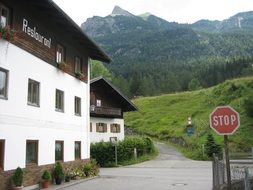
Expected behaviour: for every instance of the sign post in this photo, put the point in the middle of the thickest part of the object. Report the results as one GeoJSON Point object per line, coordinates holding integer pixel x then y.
{"type": "Point", "coordinates": [114, 142]}
{"type": "Point", "coordinates": [224, 120]}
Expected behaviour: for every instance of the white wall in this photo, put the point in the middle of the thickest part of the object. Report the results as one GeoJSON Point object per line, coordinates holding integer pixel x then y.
{"type": "Point", "coordinates": [20, 122]}
{"type": "Point", "coordinates": [97, 137]}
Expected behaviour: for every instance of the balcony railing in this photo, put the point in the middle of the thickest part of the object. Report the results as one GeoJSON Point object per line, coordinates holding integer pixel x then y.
{"type": "Point", "coordinates": [105, 111]}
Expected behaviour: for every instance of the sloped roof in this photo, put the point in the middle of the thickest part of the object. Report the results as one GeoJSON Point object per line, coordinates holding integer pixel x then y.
{"type": "Point", "coordinates": [127, 104]}
{"type": "Point", "coordinates": [56, 15]}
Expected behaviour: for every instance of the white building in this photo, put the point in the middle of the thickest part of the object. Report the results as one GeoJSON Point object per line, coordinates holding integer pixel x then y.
{"type": "Point", "coordinates": [44, 88]}
{"type": "Point", "coordinates": [108, 105]}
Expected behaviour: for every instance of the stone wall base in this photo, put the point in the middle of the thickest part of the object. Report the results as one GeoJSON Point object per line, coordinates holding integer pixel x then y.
{"type": "Point", "coordinates": [33, 173]}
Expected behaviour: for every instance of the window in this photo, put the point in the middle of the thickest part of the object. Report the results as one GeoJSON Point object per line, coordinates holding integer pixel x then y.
{"type": "Point", "coordinates": [115, 128]}
{"type": "Point", "coordinates": [59, 100]}
{"type": "Point", "coordinates": [4, 16]}
{"type": "Point", "coordinates": [77, 150]}
{"type": "Point", "coordinates": [77, 106]}
{"type": "Point", "coordinates": [2, 154]}
{"type": "Point", "coordinates": [31, 152]}
{"type": "Point", "coordinates": [98, 103]}
{"type": "Point", "coordinates": [3, 83]}
{"type": "Point", "coordinates": [78, 65]}
{"type": "Point", "coordinates": [33, 92]}
{"type": "Point", "coordinates": [60, 53]}
{"type": "Point", "coordinates": [59, 150]}
{"type": "Point", "coordinates": [101, 127]}
{"type": "Point", "coordinates": [90, 127]}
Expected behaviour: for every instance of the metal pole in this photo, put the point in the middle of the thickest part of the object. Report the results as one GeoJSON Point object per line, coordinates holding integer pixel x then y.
{"type": "Point", "coordinates": [227, 162]}
{"type": "Point", "coordinates": [135, 153]}
{"type": "Point", "coordinates": [246, 179]}
{"type": "Point", "coordinates": [116, 155]}
{"type": "Point", "coordinates": [251, 152]}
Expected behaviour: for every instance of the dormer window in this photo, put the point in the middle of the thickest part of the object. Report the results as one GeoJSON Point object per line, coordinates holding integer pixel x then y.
{"type": "Point", "coordinates": [60, 53]}
{"type": "Point", "coordinates": [4, 17]}
{"type": "Point", "coordinates": [78, 65]}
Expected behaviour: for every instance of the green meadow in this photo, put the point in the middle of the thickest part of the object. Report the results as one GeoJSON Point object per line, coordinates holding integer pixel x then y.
{"type": "Point", "coordinates": [165, 117]}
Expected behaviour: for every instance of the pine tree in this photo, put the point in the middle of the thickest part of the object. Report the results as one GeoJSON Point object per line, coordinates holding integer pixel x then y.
{"type": "Point", "coordinates": [211, 147]}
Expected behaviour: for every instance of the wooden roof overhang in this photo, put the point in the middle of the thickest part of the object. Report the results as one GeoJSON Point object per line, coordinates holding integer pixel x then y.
{"type": "Point", "coordinates": [101, 82]}
{"type": "Point", "coordinates": [58, 17]}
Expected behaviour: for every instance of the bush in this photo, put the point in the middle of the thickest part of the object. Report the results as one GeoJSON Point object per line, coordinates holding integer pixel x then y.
{"type": "Point", "coordinates": [212, 148]}
{"type": "Point", "coordinates": [46, 175]}
{"type": "Point", "coordinates": [58, 171]}
{"type": "Point", "coordinates": [18, 177]}
{"type": "Point", "coordinates": [248, 104]}
{"type": "Point", "coordinates": [104, 152]}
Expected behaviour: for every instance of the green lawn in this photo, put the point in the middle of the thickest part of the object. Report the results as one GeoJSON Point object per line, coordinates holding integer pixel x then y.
{"type": "Point", "coordinates": [165, 116]}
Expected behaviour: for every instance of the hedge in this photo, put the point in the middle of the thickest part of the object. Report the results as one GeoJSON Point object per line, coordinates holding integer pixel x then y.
{"type": "Point", "coordinates": [104, 152]}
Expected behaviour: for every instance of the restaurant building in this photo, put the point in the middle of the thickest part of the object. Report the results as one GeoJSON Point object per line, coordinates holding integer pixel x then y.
{"type": "Point", "coordinates": [44, 89]}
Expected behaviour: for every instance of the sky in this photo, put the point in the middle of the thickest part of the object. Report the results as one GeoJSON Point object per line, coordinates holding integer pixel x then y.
{"type": "Point", "coordinates": [182, 11]}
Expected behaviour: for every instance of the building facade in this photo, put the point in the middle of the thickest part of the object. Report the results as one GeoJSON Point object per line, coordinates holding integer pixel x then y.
{"type": "Point", "coordinates": [44, 88]}
{"type": "Point", "coordinates": [107, 106]}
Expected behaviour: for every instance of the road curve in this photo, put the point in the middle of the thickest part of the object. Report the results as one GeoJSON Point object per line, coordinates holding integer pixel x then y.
{"type": "Point", "coordinates": [169, 171]}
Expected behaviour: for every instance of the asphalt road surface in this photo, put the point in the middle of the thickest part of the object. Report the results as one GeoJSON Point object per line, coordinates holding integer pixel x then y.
{"type": "Point", "coordinates": [169, 171]}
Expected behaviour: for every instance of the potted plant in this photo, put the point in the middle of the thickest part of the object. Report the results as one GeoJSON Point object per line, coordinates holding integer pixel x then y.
{"type": "Point", "coordinates": [80, 75]}
{"type": "Point", "coordinates": [58, 173]}
{"type": "Point", "coordinates": [63, 66]}
{"type": "Point", "coordinates": [7, 33]}
{"type": "Point", "coordinates": [46, 176]}
{"type": "Point", "coordinates": [67, 178]}
{"type": "Point", "coordinates": [17, 179]}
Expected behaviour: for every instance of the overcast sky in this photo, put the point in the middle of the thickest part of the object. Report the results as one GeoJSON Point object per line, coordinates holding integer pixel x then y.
{"type": "Point", "coordinates": [182, 11]}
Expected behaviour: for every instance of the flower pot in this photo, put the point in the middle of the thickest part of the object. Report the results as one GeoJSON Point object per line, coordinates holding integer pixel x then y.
{"type": "Point", "coordinates": [58, 181]}
{"type": "Point", "coordinates": [45, 184]}
{"type": "Point", "coordinates": [67, 179]}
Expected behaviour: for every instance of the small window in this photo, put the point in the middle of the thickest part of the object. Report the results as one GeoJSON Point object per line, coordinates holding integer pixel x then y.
{"type": "Point", "coordinates": [101, 127]}
{"type": "Point", "coordinates": [98, 103]}
{"type": "Point", "coordinates": [59, 100]}
{"type": "Point", "coordinates": [33, 92]}
{"type": "Point", "coordinates": [31, 152]}
{"type": "Point", "coordinates": [60, 53]}
{"type": "Point", "coordinates": [4, 16]}
{"type": "Point", "coordinates": [90, 127]}
{"type": "Point", "coordinates": [78, 65]}
{"type": "Point", "coordinates": [3, 83]}
{"type": "Point", "coordinates": [115, 128]}
{"type": "Point", "coordinates": [2, 142]}
{"type": "Point", "coordinates": [59, 150]}
{"type": "Point", "coordinates": [77, 106]}
{"type": "Point", "coordinates": [77, 150]}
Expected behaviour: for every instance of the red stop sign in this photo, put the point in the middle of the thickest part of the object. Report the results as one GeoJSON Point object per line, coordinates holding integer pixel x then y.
{"type": "Point", "coordinates": [224, 120]}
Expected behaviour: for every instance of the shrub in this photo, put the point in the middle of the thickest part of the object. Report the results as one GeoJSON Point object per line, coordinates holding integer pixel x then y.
{"type": "Point", "coordinates": [58, 171]}
{"type": "Point", "coordinates": [18, 177]}
{"type": "Point", "coordinates": [248, 104]}
{"type": "Point", "coordinates": [211, 147]}
{"type": "Point", "coordinates": [104, 152]}
{"type": "Point", "coordinates": [46, 175]}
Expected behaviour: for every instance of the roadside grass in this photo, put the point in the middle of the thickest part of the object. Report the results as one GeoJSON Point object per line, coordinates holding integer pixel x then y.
{"type": "Point", "coordinates": [165, 117]}
{"type": "Point", "coordinates": [140, 159]}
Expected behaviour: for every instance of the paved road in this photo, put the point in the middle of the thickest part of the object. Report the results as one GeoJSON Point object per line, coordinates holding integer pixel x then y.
{"type": "Point", "coordinates": [169, 171]}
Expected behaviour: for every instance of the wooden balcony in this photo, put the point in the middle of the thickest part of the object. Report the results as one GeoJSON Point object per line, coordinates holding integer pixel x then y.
{"type": "Point", "coordinates": [105, 111]}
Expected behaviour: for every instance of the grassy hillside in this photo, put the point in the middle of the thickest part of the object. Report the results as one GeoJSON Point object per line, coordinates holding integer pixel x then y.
{"type": "Point", "coordinates": [165, 116]}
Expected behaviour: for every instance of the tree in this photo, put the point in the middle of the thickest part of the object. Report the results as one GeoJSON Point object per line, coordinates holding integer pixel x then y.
{"type": "Point", "coordinates": [98, 69]}
{"type": "Point", "coordinates": [194, 84]}
{"type": "Point", "coordinates": [211, 147]}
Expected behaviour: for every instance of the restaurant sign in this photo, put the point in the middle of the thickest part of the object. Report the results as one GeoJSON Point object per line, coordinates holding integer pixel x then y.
{"type": "Point", "coordinates": [31, 31]}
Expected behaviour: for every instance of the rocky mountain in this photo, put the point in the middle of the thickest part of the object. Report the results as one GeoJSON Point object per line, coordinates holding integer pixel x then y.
{"type": "Point", "coordinates": [239, 22]}
{"type": "Point", "coordinates": [169, 50]}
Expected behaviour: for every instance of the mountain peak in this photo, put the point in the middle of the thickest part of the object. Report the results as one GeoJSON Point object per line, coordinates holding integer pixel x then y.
{"type": "Point", "coordinates": [119, 11]}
